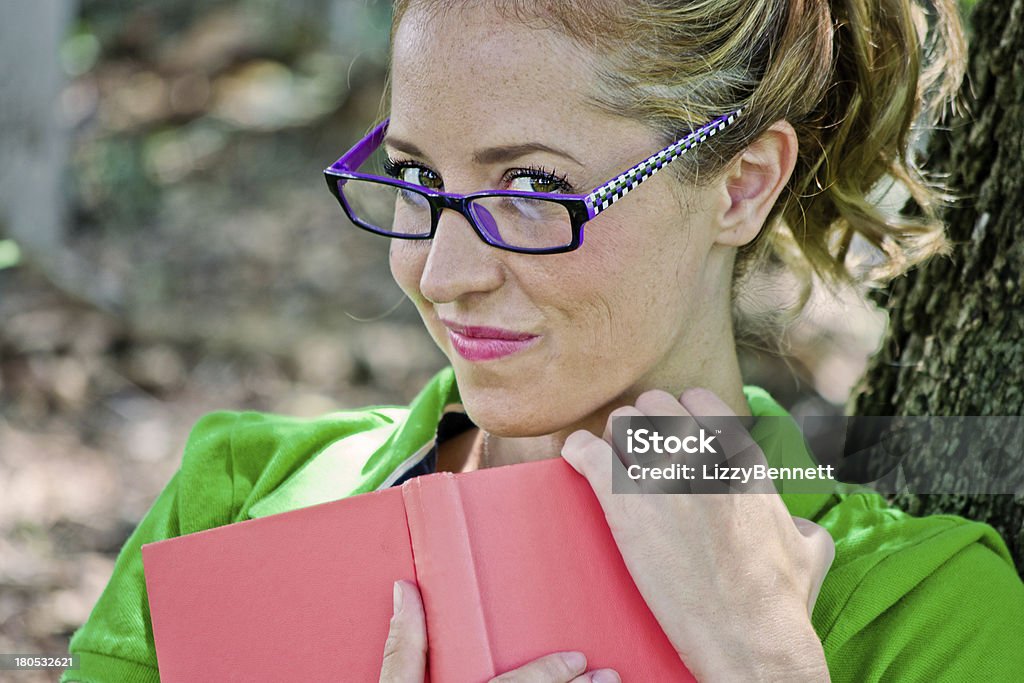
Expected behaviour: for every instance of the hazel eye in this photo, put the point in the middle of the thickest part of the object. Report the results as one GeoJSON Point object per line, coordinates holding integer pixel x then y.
{"type": "Point", "coordinates": [538, 180]}
{"type": "Point", "coordinates": [418, 175]}
{"type": "Point", "coordinates": [541, 184]}
{"type": "Point", "coordinates": [409, 172]}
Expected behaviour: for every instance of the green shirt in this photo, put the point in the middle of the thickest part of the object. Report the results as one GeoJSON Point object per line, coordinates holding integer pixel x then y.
{"type": "Point", "coordinates": [906, 599]}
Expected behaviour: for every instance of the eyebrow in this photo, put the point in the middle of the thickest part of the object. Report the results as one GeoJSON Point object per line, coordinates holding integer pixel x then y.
{"type": "Point", "coordinates": [490, 155]}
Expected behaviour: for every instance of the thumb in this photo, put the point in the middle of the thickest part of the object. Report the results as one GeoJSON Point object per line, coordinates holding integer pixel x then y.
{"type": "Point", "coordinates": [405, 651]}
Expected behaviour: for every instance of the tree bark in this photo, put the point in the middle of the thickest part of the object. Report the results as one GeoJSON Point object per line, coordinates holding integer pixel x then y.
{"type": "Point", "coordinates": [955, 342]}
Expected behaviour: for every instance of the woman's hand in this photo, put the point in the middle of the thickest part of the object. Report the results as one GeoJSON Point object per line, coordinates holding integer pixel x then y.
{"type": "Point", "coordinates": [405, 652]}
{"type": "Point", "coordinates": [731, 577]}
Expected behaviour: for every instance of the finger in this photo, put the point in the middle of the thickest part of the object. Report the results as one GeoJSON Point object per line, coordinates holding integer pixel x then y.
{"type": "Point", "coordinates": [599, 676]}
{"type": "Point", "coordinates": [660, 403]}
{"type": "Point", "coordinates": [560, 667]}
{"type": "Point", "coordinates": [616, 430]}
{"type": "Point", "coordinates": [595, 459]}
{"type": "Point", "coordinates": [653, 403]}
{"type": "Point", "coordinates": [612, 427]}
{"type": "Point", "coordinates": [711, 411]}
{"type": "Point", "coordinates": [659, 413]}
{"type": "Point", "coordinates": [700, 401]}
{"type": "Point", "coordinates": [405, 651]}
{"type": "Point", "coordinates": [823, 550]}
{"type": "Point", "coordinates": [739, 448]}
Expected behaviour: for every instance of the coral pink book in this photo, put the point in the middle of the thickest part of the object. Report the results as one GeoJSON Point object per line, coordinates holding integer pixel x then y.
{"type": "Point", "coordinates": [513, 563]}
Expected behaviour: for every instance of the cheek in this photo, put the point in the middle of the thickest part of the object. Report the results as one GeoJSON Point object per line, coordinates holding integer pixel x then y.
{"type": "Point", "coordinates": [606, 288]}
{"type": "Point", "coordinates": [635, 277]}
{"type": "Point", "coordinates": [407, 263]}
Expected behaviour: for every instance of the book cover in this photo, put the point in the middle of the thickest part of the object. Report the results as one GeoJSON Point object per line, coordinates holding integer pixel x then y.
{"type": "Point", "coordinates": [513, 563]}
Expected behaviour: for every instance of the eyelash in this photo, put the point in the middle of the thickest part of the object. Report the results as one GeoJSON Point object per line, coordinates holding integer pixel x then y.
{"type": "Point", "coordinates": [541, 173]}
{"type": "Point", "coordinates": [393, 168]}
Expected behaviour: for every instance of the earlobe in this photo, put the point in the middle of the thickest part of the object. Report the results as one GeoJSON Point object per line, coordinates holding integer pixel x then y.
{"type": "Point", "coordinates": [754, 183]}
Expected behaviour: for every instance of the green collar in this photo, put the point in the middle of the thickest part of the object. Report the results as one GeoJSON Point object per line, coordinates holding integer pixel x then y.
{"type": "Point", "coordinates": [402, 437]}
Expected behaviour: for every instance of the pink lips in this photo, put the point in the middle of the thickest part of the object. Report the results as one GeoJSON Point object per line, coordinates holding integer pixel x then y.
{"type": "Point", "coordinates": [486, 343]}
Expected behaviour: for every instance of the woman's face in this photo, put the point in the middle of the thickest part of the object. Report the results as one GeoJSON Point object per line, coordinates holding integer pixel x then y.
{"type": "Point", "coordinates": [477, 102]}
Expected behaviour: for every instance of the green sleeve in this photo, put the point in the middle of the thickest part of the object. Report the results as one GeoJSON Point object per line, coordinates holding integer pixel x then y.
{"type": "Point", "coordinates": [963, 622]}
{"type": "Point", "coordinates": [232, 462]}
{"type": "Point", "coordinates": [116, 642]}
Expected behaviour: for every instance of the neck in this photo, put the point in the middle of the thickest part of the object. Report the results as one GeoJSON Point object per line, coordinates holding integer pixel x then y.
{"type": "Point", "coordinates": [718, 374]}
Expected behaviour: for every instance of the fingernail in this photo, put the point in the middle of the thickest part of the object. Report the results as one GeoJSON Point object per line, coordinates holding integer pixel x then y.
{"type": "Point", "coordinates": [398, 598]}
{"type": "Point", "coordinates": [576, 661]}
{"type": "Point", "coordinates": [605, 676]}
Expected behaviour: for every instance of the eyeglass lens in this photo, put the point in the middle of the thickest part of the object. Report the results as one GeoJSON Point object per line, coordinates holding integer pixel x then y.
{"type": "Point", "coordinates": [519, 222]}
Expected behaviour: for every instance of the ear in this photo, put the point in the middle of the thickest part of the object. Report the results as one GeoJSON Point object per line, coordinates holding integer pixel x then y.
{"type": "Point", "coordinates": [754, 182]}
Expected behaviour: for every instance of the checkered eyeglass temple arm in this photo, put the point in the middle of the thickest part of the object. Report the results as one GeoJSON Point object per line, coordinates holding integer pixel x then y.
{"type": "Point", "coordinates": [615, 189]}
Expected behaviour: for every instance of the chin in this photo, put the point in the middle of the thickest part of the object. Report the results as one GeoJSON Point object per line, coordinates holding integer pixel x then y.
{"type": "Point", "coordinates": [523, 412]}
{"type": "Point", "coordinates": [508, 412]}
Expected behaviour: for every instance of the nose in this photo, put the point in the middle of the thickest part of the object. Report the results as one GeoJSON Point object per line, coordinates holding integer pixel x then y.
{"type": "Point", "coordinates": [459, 263]}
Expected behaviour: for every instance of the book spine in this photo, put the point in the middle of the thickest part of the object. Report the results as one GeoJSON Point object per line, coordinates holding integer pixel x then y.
{"type": "Point", "coordinates": [446, 571]}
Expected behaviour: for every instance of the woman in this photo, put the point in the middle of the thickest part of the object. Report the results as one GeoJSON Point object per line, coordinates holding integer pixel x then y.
{"type": "Point", "coordinates": [627, 310]}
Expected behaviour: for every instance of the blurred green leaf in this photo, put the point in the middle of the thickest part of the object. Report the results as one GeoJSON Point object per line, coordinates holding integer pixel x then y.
{"type": "Point", "coordinates": [79, 53]}
{"type": "Point", "coordinates": [10, 254]}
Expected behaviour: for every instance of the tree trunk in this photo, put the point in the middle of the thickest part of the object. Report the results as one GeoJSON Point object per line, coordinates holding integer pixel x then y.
{"type": "Point", "coordinates": [33, 142]}
{"type": "Point", "coordinates": [955, 343]}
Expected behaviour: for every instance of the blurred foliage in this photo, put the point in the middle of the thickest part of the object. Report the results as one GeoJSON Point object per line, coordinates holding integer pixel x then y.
{"type": "Point", "coordinates": [201, 130]}
{"type": "Point", "coordinates": [10, 254]}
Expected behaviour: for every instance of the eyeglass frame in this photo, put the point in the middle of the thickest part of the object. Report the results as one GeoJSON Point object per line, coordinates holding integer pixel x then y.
{"type": "Point", "coordinates": [581, 208]}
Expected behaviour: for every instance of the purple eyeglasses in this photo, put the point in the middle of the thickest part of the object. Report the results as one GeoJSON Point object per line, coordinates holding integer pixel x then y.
{"type": "Point", "coordinates": [515, 220]}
